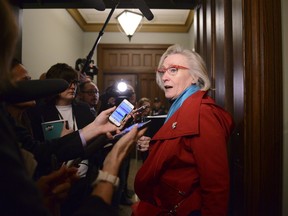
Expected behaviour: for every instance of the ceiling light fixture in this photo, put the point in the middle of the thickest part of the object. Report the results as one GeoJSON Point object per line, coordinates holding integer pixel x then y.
{"type": "Point", "coordinates": [129, 22]}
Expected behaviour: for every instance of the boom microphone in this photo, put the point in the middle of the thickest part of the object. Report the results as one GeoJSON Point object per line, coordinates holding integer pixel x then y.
{"type": "Point", "coordinates": [34, 89]}
{"type": "Point", "coordinates": [99, 5]}
{"type": "Point", "coordinates": [143, 7]}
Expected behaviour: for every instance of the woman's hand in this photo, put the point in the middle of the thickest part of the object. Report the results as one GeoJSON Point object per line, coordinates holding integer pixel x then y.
{"type": "Point", "coordinates": [102, 120]}
{"type": "Point", "coordinates": [101, 125]}
{"type": "Point", "coordinates": [65, 129]}
{"type": "Point", "coordinates": [55, 186]}
{"type": "Point", "coordinates": [113, 161]}
{"type": "Point", "coordinates": [143, 143]}
{"type": "Point", "coordinates": [120, 150]}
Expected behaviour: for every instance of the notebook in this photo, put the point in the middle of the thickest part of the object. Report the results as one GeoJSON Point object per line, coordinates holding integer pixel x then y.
{"type": "Point", "coordinates": [156, 123]}
{"type": "Point", "coordinates": [52, 129]}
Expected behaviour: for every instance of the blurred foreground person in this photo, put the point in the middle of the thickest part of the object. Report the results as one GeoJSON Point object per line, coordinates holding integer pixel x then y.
{"type": "Point", "coordinates": [17, 111]}
{"type": "Point", "coordinates": [18, 193]}
{"type": "Point", "coordinates": [186, 171]}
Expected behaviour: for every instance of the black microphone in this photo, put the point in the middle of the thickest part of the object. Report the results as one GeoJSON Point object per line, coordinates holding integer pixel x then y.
{"type": "Point", "coordinates": [99, 5]}
{"type": "Point", "coordinates": [33, 89]}
{"type": "Point", "coordinates": [145, 10]}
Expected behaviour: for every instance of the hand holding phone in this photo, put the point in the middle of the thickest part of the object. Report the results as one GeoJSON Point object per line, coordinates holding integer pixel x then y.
{"type": "Point", "coordinates": [126, 130]}
{"type": "Point", "coordinates": [124, 109]}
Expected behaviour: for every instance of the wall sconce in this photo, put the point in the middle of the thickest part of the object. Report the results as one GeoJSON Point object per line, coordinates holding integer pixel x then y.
{"type": "Point", "coordinates": [129, 21]}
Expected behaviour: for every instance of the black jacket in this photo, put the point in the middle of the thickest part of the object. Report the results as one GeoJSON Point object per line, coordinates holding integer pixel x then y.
{"type": "Point", "coordinates": [48, 112]}
{"type": "Point", "coordinates": [18, 192]}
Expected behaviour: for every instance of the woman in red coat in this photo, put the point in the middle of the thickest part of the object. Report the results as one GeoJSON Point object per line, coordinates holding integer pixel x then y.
{"type": "Point", "coordinates": [186, 172]}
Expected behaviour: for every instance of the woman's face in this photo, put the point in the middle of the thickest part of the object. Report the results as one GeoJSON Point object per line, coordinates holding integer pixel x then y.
{"type": "Point", "coordinates": [179, 77]}
{"type": "Point", "coordinates": [67, 96]}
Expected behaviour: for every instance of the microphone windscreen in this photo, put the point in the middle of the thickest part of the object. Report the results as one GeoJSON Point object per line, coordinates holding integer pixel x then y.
{"type": "Point", "coordinates": [99, 5]}
{"type": "Point", "coordinates": [34, 89]}
{"type": "Point", "coordinates": [145, 10]}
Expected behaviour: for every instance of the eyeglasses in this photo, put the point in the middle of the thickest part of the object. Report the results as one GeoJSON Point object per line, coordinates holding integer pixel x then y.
{"type": "Point", "coordinates": [27, 78]}
{"type": "Point", "coordinates": [172, 70]}
{"type": "Point", "coordinates": [90, 92]}
{"type": "Point", "coordinates": [75, 82]}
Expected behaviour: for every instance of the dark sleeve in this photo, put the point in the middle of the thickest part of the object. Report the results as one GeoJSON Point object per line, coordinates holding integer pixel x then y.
{"type": "Point", "coordinates": [19, 195]}
{"type": "Point", "coordinates": [65, 148]}
{"type": "Point", "coordinates": [82, 113]}
{"type": "Point", "coordinates": [34, 116]}
{"type": "Point", "coordinates": [95, 206]}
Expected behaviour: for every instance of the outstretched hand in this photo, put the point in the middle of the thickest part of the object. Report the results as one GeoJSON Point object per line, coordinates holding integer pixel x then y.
{"type": "Point", "coordinates": [102, 121]}
{"type": "Point", "coordinates": [102, 125]}
{"type": "Point", "coordinates": [121, 149]}
{"type": "Point", "coordinates": [55, 186]}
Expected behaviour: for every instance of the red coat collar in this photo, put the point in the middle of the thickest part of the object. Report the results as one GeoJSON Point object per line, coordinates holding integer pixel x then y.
{"type": "Point", "coordinates": [185, 121]}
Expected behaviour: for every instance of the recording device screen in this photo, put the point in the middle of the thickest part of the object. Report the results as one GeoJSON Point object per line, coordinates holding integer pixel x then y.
{"type": "Point", "coordinates": [121, 112]}
{"type": "Point", "coordinates": [126, 130]}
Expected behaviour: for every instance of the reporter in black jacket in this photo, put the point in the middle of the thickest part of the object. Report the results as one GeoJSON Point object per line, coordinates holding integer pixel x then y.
{"type": "Point", "coordinates": [77, 114]}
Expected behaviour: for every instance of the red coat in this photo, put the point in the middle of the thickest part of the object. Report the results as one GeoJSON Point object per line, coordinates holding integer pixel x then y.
{"type": "Point", "coordinates": [187, 167]}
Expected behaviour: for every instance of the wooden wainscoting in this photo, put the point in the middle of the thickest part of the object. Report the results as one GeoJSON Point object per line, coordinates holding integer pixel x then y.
{"type": "Point", "coordinates": [241, 42]}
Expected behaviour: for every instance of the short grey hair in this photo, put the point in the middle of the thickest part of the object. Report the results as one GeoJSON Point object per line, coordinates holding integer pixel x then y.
{"type": "Point", "coordinates": [197, 66]}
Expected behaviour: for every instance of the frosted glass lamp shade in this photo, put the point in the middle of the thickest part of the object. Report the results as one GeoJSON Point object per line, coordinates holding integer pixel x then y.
{"type": "Point", "coordinates": [129, 21]}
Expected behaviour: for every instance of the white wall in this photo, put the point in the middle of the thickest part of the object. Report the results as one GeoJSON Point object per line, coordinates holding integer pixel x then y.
{"type": "Point", "coordinates": [138, 38]}
{"type": "Point", "coordinates": [284, 8]}
{"type": "Point", "coordinates": [50, 36]}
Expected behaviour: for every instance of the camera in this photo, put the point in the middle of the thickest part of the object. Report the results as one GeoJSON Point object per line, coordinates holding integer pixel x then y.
{"type": "Point", "coordinates": [113, 95]}
{"type": "Point", "coordinates": [91, 70]}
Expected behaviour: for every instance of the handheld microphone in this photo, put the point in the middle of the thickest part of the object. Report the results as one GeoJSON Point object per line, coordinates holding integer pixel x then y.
{"type": "Point", "coordinates": [140, 109]}
{"type": "Point", "coordinates": [33, 89]}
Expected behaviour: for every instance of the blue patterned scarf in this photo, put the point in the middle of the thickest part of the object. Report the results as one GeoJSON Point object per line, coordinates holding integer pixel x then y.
{"type": "Point", "coordinates": [179, 101]}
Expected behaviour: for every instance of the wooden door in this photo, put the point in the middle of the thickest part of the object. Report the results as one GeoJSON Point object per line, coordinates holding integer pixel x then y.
{"type": "Point", "coordinates": [110, 79]}
{"type": "Point", "coordinates": [144, 85]}
{"type": "Point", "coordinates": [147, 87]}
{"type": "Point", "coordinates": [134, 63]}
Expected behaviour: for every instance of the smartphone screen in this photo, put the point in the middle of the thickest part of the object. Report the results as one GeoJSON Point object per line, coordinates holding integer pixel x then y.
{"type": "Point", "coordinates": [124, 109]}
{"type": "Point", "coordinates": [126, 130]}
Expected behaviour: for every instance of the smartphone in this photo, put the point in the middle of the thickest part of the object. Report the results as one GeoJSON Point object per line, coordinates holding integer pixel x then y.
{"type": "Point", "coordinates": [124, 109]}
{"type": "Point", "coordinates": [126, 130]}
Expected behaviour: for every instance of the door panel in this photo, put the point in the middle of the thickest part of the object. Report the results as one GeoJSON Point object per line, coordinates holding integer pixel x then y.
{"type": "Point", "coordinates": [134, 63]}
{"type": "Point", "coordinates": [110, 79]}
{"type": "Point", "coordinates": [144, 85]}
{"type": "Point", "coordinates": [148, 88]}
